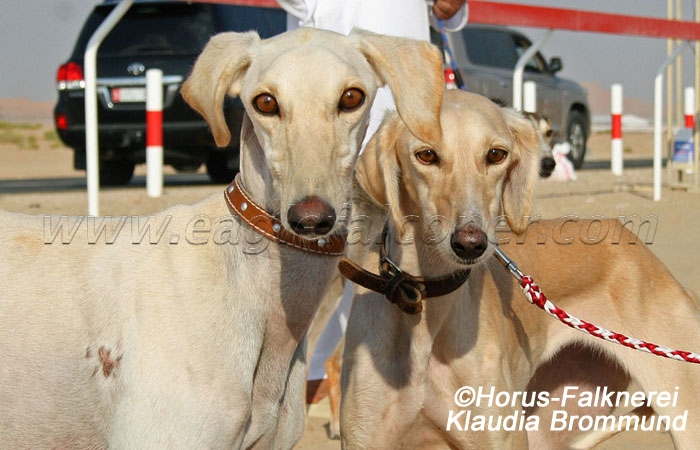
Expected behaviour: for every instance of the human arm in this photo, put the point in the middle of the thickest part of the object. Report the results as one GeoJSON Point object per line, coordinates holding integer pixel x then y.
{"type": "Point", "coordinates": [453, 13]}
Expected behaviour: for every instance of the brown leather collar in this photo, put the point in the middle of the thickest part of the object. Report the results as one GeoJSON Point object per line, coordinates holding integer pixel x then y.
{"type": "Point", "coordinates": [406, 291]}
{"type": "Point", "coordinates": [269, 226]}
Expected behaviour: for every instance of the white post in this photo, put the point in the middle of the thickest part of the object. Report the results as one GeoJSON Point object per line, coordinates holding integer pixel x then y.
{"type": "Point", "coordinates": [92, 157]}
{"type": "Point", "coordinates": [530, 97]}
{"type": "Point", "coordinates": [658, 117]}
{"type": "Point", "coordinates": [520, 68]}
{"type": "Point", "coordinates": [154, 132]}
{"type": "Point", "coordinates": [616, 148]}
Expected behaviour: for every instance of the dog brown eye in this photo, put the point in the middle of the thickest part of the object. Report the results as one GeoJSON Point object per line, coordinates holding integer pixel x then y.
{"type": "Point", "coordinates": [266, 104]}
{"type": "Point", "coordinates": [427, 156]}
{"type": "Point", "coordinates": [496, 156]}
{"type": "Point", "coordinates": [351, 100]}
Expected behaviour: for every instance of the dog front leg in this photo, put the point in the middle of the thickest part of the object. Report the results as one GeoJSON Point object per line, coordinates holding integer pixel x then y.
{"type": "Point", "coordinates": [287, 427]}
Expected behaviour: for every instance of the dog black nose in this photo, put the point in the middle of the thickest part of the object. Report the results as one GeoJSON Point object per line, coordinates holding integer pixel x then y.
{"type": "Point", "coordinates": [469, 242]}
{"type": "Point", "coordinates": [547, 166]}
{"type": "Point", "coordinates": [311, 216]}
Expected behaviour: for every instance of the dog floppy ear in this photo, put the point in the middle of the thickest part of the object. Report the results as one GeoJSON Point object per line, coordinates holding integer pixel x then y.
{"type": "Point", "coordinates": [522, 173]}
{"type": "Point", "coordinates": [377, 171]}
{"type": "Point", "coordinates": [413, 71]}
{"type": "Point", "coordinates": [217, 72]}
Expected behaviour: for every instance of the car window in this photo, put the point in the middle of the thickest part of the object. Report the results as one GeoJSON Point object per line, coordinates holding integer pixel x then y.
{"type": "Point", "coordinates": [162, 29]}
{"type": "Point", "coordinates": [536, 63]}
{"type": "Point", "coordinates": [491, 48]}
{"type": "Point", "coordinates": [266, 21]}
{"type": "Point", "coordinates": [177, 29]}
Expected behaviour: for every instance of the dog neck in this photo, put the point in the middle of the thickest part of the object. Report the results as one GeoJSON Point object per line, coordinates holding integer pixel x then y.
{"type": "Point", "coordinates": [407, 291]}
{"type": "Point", "coordinates": [269, 226]}
{"type": "Point", "coordinates": [254, 172]}
{"type": "Point", "coordinates": [411, 251]}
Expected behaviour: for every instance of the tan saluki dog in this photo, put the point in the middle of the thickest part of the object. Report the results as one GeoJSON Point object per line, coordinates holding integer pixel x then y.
{"type": "Point", "coordinates": [191, 335]}
{"type": "Point", "coordinates": [481, 357]}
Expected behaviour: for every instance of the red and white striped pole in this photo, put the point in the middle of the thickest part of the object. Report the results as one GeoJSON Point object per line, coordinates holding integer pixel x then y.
{"type": "Point", "coordinates": [154, 132]}
{"type": "Point", "coordinates": [450, 78]}
{"type": "Point", "coordinates": [689, 107]}
{"type": "Point", "coordinates": [616, 163]}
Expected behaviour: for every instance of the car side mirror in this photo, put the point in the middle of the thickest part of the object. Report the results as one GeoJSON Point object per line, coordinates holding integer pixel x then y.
{"type": "Point", "coordinates": [555, 65]}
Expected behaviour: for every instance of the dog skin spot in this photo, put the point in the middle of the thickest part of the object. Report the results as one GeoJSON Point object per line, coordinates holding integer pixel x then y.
{"type": "Point", "coordinates": [108, 364]}
{"type": "Point", "coordinates": [27, 243]}
{"type": "Point", "coordinates": [88, 353]}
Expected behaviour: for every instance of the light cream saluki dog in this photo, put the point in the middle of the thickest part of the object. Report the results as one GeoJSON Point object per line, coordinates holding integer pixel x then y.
{"type": "Point", "coordinates": [479, 367]}
{"type": "Point", "coordinates": [197, 341]}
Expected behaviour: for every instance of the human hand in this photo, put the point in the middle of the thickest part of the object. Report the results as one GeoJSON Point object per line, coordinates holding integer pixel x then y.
{"type": "Point", "coordinates": [445, 9]}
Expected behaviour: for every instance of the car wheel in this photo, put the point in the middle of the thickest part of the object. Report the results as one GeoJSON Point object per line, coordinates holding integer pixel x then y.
{"type": "Point", "coordinates": [576, 137]}
{"type": "Point", "coordinates": [116, 173]}
{"type": "Point", "coordinates": [222, 166]}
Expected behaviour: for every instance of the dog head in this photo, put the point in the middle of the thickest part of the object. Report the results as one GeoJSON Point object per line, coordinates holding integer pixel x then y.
{"type": "Point", "coordinates": [307, 96]}
{"type": "Point", "coordinates": [544, 126]}
{"type": "Point", "coordinates": [456, 193]}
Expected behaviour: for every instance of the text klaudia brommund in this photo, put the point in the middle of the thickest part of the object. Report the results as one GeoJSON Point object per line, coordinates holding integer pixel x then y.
{"type": "Point", "coordinates": [506, 410]}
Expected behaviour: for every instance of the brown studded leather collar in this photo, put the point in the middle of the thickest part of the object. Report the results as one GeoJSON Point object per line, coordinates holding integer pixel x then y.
{"type": "Point", "coordinates": [406, 291]}
{"type": "Point", "coordinates": [271, 227]}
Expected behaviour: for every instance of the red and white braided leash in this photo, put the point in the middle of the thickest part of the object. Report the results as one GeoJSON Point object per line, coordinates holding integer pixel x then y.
{"type": "Point", "coordinates": [535, 296]}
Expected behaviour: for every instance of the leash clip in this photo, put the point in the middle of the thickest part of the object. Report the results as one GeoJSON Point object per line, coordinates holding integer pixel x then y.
{"type": "Point", "coordinates": [509, 265]}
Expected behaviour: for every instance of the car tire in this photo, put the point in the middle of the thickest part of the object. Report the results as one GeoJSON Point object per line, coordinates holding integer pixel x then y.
{"type": "Point", "coordinates": [576, 137]}
{"type": "Point", "coordinates": [116, 173]}
{"type": "Point", "coordinates": [222, 166]}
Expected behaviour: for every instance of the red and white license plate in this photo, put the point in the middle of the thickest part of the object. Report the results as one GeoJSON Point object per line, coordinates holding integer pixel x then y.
{"type": "Point", "coordinates": [128, 95]}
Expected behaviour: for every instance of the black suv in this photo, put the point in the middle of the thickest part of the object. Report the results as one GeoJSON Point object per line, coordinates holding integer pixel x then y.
{"type": "Point", "coordinates": [168, 35]}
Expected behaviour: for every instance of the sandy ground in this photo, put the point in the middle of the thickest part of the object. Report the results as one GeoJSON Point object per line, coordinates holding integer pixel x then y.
{"type": "Point", "coordinates": [596, 192]}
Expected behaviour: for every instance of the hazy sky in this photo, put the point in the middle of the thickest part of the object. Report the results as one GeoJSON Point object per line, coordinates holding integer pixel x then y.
{"type": "Point", "coordinates": [36, 36]}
